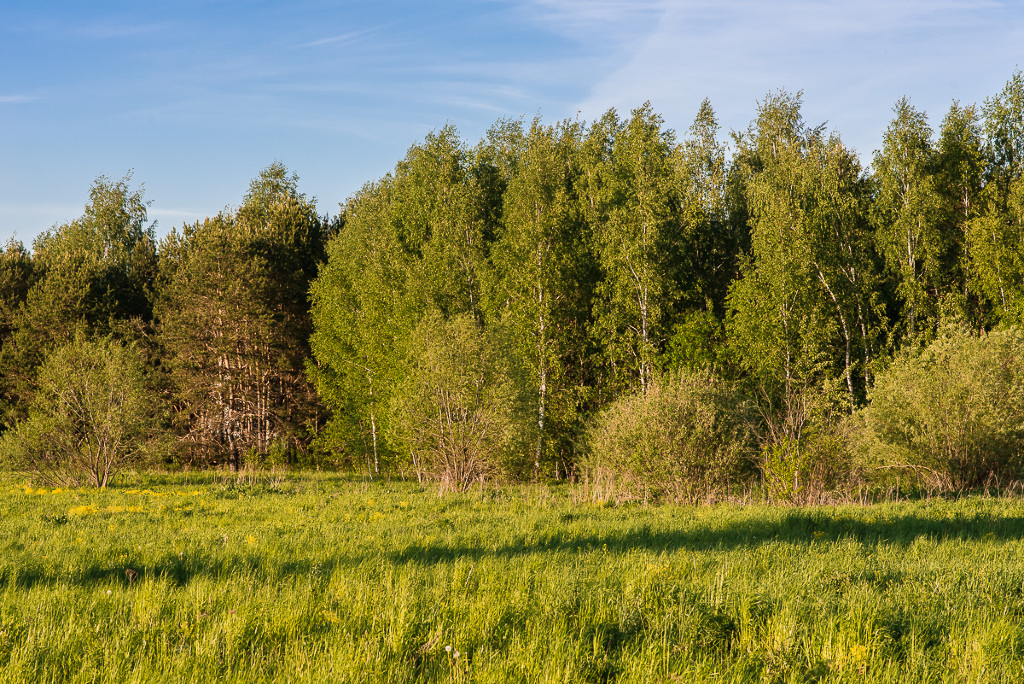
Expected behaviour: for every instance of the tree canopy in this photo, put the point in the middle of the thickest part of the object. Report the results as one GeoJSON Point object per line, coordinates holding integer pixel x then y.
{"type": "Point", "coordinates": [480, 306]}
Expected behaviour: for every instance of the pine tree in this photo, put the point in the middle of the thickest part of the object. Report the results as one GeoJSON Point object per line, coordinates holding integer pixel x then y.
{"type": "Point", "coordinates": [234, 324]}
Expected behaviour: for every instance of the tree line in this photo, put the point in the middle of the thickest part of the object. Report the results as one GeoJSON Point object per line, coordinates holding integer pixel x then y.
{"type": "Point", "coordinates": [608, 300]}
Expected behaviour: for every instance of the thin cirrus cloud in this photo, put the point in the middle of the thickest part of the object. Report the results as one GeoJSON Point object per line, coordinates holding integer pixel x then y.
{"type": "Point", "coordinates": [851, 60]}
{"type": "Point", "coordinates": [616, 17]}
{"type": "Point", "coordinates": [112, 30]}
{"type": "Point", "coordinates": [197, 96]}
{"type": "Point", "coordinates": [345, 38]}
{"type": "Point", "coordinates": [65, 26]}
{"type": "Point", "coordinates": [17, 99]}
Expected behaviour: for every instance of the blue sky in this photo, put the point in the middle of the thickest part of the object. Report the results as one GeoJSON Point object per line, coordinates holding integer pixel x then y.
{"type": "Point", "coordinates": [197, 96]}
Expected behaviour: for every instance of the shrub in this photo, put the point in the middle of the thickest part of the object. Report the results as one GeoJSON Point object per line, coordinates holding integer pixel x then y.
{"type": "Point", "coordinates": [456, 409]}
{"type": "Point", "coordinates": [804, 471]}
{"type": "Point", "coordinates": [89, 417]}
{"type": "Point", "coordinates": [803, 455]}
{"type": "Point", "coordinates": [685, 438]}
{"type": "Point", "coordinates": [952, 412]}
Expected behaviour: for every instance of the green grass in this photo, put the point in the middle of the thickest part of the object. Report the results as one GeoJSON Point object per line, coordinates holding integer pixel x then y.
{"type": "Point", "coordinates": [320, 578]}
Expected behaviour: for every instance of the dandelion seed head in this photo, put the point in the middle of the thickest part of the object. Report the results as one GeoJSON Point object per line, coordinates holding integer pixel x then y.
{"type": "Point", "coordinates": [448, 649]}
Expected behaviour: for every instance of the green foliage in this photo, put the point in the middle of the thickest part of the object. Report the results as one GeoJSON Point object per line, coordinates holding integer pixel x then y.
{"type": "Point", "coordinates": [1004, 130]}
{"type": "Point", "coordinates": [907, 216]}
{"type": "Point", "coordinates": [805, 470]}
{"type": "Point", "coordinates": [96, 269]}
{"type": "Point", "coordinates": [17, 275]}
{"type": "Point", "coordinates": [996, 234]}
{"type": "Point", "coordinates": [234, 324]}
{"type": "Point", "coordinates": [686, 438]}
{"type": "Point", "coordinates": [995, 239]}
{"type": "Point", "coordinates": [953, 412]}
{"type": "Point", "coordinates": [541, 279]}
{"type": "Point", "coordinates": [412, 244]}
{"type": "Point", "coordinates": [709, 247]}
{"type": "Point", "coordinates": [455, 411]}
{"type": "Point", "coordinates": [697, 342]}
{"type": "Point", "coordinates": [802, 310]}
{"type": "Point", "coordinates": [435, 212]}
{"type": "Point", "coordinates": [360, 318]}
{"type": "Point", "coordinates": [961, 164]}
{"type": "Point", "coordinates": [785, 466]}
{"type": "Point", "coordinates": [633, 207]}
{"type": "Point", "coordinates": [89, 418]}
{"type": "Point", "coordinates": [600, 254]}
{"type": "Point", "coordinates": [92, 275]}
{"type": "Point", "coordinates": [804, 453]}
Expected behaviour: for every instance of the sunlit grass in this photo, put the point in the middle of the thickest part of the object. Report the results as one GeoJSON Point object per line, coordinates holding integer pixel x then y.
{"type": "Point", "coordinates": [322, 578]}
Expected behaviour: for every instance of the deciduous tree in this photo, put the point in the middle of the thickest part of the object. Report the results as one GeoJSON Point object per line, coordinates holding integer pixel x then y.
{"type": "Point", "coordinates": [541, 279]}
{"type": "Point", "coordinates": [906, 214]}
{"type": "Point", "coordinates": [92, 275]}
{"type": "Point", "coordinates": [996, 234]}
{"type": "Point", "coordinates": [805, 287]}
{"type": "Point", "coordinates": [633, 200]}
{"type": "Point", "coordinates": [89, 417]}
{"type": "Point", "coordinates": [413, 243]}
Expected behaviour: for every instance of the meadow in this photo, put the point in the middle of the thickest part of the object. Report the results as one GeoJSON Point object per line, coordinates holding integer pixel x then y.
{"type": "Point", "coordinates": [324, 578]}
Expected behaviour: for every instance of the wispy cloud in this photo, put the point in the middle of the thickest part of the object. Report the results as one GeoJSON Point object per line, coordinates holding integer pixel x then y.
{"type": "Point", "coordinates": [604, 29]}
{"type": "Point", "coordinates": [113, 29]}
{"type": "Point", "coordinates": [104, 28]}
{"type": "Point", "coordinates": [315, 82]}
{"type": "Point", "coordinates": [175, 213]}
{"type": "Point", "coordinates": [851, 59]}
{"type": "Point", "coordinates": [574, 15]}
{"type": "Point", "coordinates": [349, 37]}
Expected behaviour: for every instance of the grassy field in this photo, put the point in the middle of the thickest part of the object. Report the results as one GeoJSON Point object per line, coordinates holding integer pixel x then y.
{"type": "Point", "coordinates": [319, 578]}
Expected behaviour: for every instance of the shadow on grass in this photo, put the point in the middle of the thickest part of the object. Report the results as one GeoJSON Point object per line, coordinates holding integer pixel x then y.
{"type": "Point", "coordinates": [246, 570]}
{"type": "Point", "coordinates": [559, 535]}
{"type": "Point", "coordinates": [797, 527]}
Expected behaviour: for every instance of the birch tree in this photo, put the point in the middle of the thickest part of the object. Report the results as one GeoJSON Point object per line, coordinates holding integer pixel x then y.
{"type": "Point", "coordinates": [906, 214]}
{"type": "Point", "coordinates": [633, 205]}
{"type": "Point", "coordinates": [541, 277]}
{"type": "Point", "coordinates": [805, 286]}
{"type": "Point", "coordinates": [996, 233]}
{"type": "Point", "coordinates": [413, 244]}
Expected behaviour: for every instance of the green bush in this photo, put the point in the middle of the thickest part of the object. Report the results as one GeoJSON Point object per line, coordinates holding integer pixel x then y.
{"type": "Point", "coordinates": [456, 410]}
{"type": "Point", "coordinates": [90, 416]}
{"type": "Point", "coordinates": [685, 439]}
{"type": "Point", "coordinates": [953, 413]}
{"type": "Point", "coordinates": [804, 471]}
{"type": "Point", "coordinates": [803, 458]}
